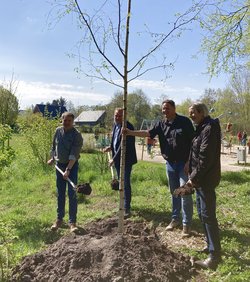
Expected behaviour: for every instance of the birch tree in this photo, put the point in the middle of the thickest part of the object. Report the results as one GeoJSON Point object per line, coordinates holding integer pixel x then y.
{"type": "Point", "coordinates": [106, 44]}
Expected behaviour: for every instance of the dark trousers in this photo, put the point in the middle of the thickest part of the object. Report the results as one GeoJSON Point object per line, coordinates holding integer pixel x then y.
{"type": "Point", "coordinates": [61, 191]}
{"type": "Point", "coordinates": [206, 207]}
{"type": "Point", "coordinates": [127, 185]}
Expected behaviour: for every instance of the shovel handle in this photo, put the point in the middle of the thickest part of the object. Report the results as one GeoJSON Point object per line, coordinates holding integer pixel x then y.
{"type": "Point", "coordinates": [111, 167]}
{"type": "Point", "coordinates": [68, 179]}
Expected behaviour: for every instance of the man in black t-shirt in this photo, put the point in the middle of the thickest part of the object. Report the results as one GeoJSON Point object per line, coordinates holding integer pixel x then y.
{"type": "Point", "coordinates": [175, 134]}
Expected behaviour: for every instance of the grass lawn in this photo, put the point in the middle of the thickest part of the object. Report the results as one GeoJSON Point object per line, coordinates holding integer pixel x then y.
{"type": "Point", "coordinates": [28, 207]}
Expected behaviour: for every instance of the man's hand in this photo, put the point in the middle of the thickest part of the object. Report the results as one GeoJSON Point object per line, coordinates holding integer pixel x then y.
{"type": "Point", "coordinates": [50, 162]}
{"type": "Point", "coordinates": [107, 149]}
{"type": "Point", "coordinates": [66, 174]}
{"type": "Point", "coordinates": [111, 162]}
{"type": "Point", "coordinates": [126, 131]}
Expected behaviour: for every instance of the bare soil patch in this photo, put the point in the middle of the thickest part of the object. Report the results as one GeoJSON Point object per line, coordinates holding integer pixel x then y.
{"type": "Point", "coordinates": [99, 254]}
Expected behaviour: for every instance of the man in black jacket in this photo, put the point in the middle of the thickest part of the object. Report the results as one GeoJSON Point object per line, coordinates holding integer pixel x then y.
{"type": "Point", "coordinates": [130, 158]}
{"type": "Point", "coordinates": [204, 176]}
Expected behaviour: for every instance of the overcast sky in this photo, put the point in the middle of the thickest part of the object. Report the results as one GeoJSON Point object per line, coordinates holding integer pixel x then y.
{"type": "Point", "coordinates": [37, 54]}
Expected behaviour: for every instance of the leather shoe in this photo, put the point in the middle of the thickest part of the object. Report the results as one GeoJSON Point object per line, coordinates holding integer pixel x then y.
{"type": "Point", "coordinates": [56, 225]}
{"type": "Point", "coordinates": [186, 231]}
{"type": "Point", "coordinates": [73, 228]}
{"type": "Point", "coordinates": [172, 225]}
{"type": "Point", "coordinates": [209, 263]}
{"type": "Point", "coordinates": [127, 214]}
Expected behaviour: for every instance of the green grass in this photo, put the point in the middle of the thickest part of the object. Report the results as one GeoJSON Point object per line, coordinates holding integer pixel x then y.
{"type": "Point", "coordinates": [28, 201]}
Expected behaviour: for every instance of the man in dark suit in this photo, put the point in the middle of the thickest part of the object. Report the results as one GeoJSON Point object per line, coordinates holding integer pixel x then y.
{"type": "Point", "coordinates": [130, 158]}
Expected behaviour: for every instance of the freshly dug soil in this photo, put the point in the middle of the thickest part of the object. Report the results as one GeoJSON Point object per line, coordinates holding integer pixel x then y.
{"type": "Point", "coordinates": [99, 254]}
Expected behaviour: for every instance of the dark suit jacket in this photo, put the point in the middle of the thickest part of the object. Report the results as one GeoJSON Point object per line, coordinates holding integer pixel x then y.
{"type": "Point", "coordinates": [130, 147]}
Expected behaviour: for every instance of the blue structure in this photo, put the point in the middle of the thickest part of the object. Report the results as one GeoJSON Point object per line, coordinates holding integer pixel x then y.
{"type": "Point", "coordinates": [49, 110]}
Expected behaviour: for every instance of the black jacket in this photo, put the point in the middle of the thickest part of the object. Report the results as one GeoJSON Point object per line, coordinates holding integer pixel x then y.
{"type": "Point", "coordinates": [204, 159]}
{"type": "Point", "coordinates": [130, 157]}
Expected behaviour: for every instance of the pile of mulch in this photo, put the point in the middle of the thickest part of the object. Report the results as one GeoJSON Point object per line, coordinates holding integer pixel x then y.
{"type": "Point", "coordinates": [100, 254]}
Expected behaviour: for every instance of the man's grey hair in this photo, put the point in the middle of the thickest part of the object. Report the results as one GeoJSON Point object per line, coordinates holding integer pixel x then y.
{"type": "Point", "coordinates": [200, 108]}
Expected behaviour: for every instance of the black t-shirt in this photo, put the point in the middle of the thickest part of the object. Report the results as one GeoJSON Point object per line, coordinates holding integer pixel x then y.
{"type": "Point", "coordinates": [175, 138]}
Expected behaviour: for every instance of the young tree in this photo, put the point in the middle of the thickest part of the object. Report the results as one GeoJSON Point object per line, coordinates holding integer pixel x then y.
{"type": "Point", "coordinates": [106, 33]}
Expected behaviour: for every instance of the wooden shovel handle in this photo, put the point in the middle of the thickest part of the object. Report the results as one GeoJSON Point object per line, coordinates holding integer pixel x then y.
{"type": "Point", "coordinates": [111, 167]}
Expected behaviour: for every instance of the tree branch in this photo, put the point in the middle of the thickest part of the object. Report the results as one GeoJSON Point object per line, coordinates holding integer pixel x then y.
{"type": "Point", "coordinates": [176, 26]}
{"type": "Point", "coordinates": [119, 28]}
{"type": "Point", "coordinates": [94, 38]}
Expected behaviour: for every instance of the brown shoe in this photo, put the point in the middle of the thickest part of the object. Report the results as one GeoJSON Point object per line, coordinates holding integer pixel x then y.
{"type": "Point", "coordinates": [56, 225]}
{"type": "Point", "coordinates": [172, 225]}
{"type": "Point", "coordinates": [186, 231]}
{"type": "Point", "coordinates": [73, 227]}
{"type": "Point", "coordinates": [209, 263]}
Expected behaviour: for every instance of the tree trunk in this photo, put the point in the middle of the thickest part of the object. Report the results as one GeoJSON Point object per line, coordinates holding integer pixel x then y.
{"type": "Point", "coordinates": [124, 125]}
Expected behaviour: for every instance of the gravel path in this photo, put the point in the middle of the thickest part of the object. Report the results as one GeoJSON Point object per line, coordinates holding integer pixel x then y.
{"type": "Point", "coordinates": [228, 159]}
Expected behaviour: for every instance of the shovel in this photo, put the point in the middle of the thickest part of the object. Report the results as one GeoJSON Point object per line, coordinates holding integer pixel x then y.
{"type": "Point", "coordinates": [114, 182]}
{"type": "Point", "coordinates": [80, 188]}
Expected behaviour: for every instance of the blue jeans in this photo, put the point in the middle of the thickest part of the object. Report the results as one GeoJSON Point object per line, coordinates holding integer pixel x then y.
{"type": "Point", "coordinates": [61, 191]}
{"type": "Point", "coordinates": [127, 185]}
{"type": "Point", "coordinates": [176, 178]}
{"type": "Point", "coordinates": [206, 207]}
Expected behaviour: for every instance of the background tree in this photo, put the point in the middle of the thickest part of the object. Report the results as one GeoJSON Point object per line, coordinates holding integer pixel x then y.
{"type": "Point", "coordinates": [139, 107]}
{"type": "Point", "coordinates": [209, 97]}
{"type": "Point", "coordinates": [182, 108]}
{"type": "Point", "coordinates": [8, 107]}
{"type": "Point", "coordinates": [240, 85]}
{"type": "Point", "coordinates": [155, 112]}
{"type": "Point", "coordinates": [61, 102]}
{"type": "Point", "coordinates": [226, 41]}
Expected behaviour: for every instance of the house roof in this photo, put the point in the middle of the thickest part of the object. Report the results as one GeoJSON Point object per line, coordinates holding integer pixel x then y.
{"type": "Point", "coordinates": [89, 116]}
{"type": "Point", "coordinates": [52, 110]}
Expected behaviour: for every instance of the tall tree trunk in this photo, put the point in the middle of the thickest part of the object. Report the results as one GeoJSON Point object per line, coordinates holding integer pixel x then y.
{"type": "Point", "coordinates": [124, 124]}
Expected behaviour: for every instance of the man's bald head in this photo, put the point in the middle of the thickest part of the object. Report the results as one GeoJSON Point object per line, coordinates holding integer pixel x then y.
{"type": "Point", "coordinates": [118, 115]}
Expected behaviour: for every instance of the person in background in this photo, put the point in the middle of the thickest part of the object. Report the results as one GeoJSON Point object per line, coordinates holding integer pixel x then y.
{"type": "Point", "coordinates": [175, 136]}
{"type": "Point", "coordinates": [239, 136]}
{"type": "Point", "coordinates": [66, 148]}
{"type": "Point", "coordinates": [244, 138]}
{"type": "Point", "coordinates": [204, 176]}
{"type": "Point", "coordinates": [130, 157]}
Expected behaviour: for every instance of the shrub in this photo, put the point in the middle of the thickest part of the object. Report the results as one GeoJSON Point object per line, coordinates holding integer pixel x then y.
{"type": "Point", "coordinates": [7, 256]}
{"type": "Point", "coordinates": [7, 154]}
{"type": "Point", "coordinates": [39, 132]}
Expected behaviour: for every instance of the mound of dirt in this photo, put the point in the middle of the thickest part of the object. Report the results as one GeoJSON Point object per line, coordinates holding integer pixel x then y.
{"type": "Point", "coordinates": [100, 254]}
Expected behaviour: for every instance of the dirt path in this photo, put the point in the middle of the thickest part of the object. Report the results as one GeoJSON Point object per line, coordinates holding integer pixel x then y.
{"type": "Point", "coordinates": [228, 159]}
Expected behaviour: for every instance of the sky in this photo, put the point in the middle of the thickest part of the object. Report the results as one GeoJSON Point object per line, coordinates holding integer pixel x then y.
{"type": "Point", "coordinates": [40, 50]}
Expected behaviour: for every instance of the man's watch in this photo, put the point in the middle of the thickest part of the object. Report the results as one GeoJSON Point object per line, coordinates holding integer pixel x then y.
{"type": "Point", "coordinates": [69, 169]}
